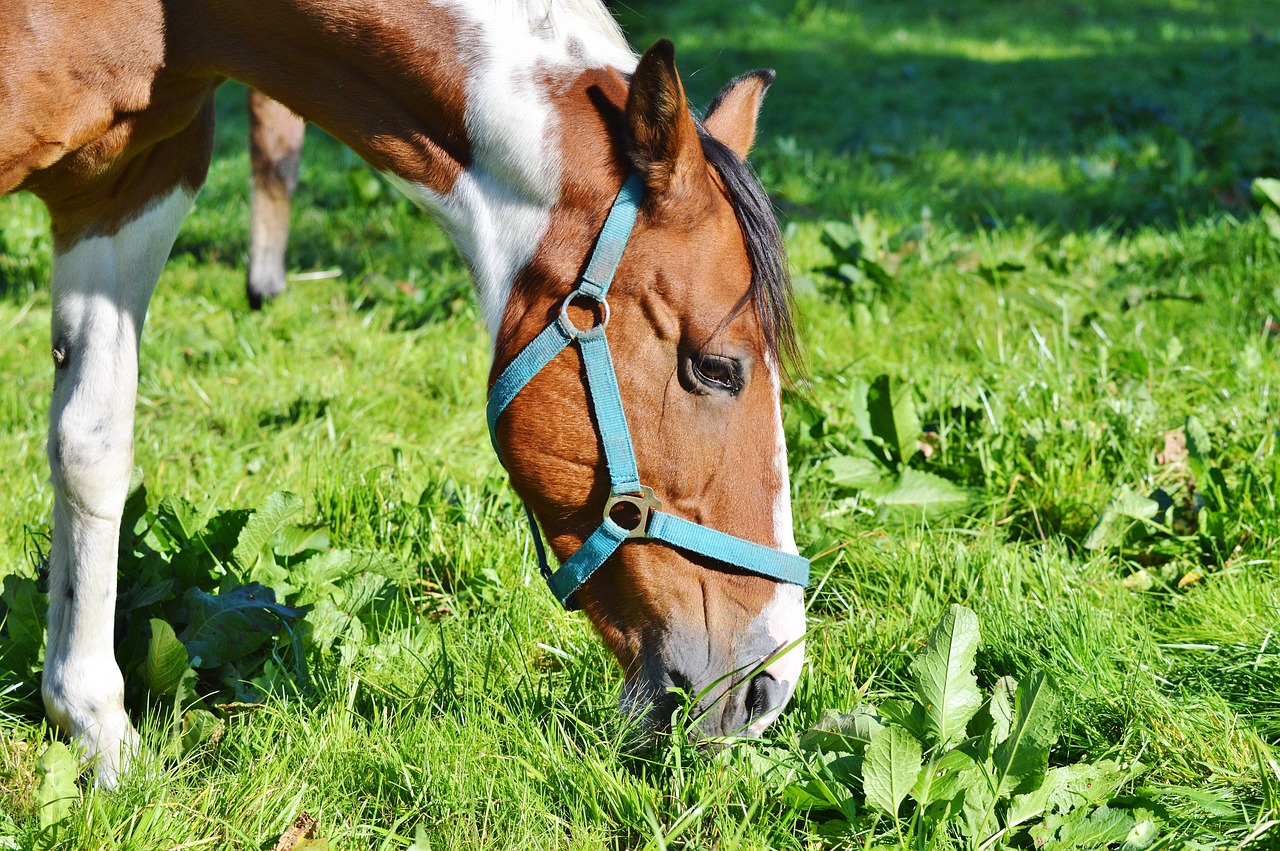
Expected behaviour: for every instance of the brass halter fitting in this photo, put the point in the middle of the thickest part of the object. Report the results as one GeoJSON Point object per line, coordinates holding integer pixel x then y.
{"type": "Point", "coordinates": [644, 503]}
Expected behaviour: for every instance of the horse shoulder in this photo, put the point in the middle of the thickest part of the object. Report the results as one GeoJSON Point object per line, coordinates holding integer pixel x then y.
{"type": "Point", "coordinates": [83, 84]}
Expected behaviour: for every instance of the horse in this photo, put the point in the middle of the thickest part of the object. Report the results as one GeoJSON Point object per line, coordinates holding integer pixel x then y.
{"type": "Point", "coordinates": [595, 212]}
{"type": "Point", "coordinates": [275, 151]}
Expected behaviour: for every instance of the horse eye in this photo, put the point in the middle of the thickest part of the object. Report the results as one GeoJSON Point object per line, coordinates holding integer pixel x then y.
{"type": "Point", "coordinates": [718, 373]}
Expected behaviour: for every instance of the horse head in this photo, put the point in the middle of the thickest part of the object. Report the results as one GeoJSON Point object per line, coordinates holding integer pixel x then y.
{"type": "Point", "coordinates": [698, 326]}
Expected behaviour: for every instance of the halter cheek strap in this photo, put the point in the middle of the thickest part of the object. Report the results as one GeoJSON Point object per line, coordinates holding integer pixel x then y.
{"type": "Point", "coordinates": [615, 438]}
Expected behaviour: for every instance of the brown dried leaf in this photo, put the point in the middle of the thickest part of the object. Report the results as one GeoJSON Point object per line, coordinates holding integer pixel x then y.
{"type": "Point", "coordinates": [301, 836]}
{"type": "Point", "coordinates": [1175, 448]}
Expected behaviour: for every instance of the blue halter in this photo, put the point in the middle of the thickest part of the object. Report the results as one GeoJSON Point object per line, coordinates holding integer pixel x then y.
{"type": "Point", "coordinates": [611, 423]}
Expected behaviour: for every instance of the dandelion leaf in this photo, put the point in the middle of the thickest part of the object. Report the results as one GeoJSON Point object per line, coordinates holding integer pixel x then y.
{"type": "Point", "coordinates": [890, 769]}
{"type": "Point", "coordinates": [943, 675]}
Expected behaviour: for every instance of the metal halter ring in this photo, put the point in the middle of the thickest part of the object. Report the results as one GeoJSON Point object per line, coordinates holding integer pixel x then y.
{"type": "Point", "coordinates": [644, 502]}
{"type": "Point", "coordinates": [567, 324]}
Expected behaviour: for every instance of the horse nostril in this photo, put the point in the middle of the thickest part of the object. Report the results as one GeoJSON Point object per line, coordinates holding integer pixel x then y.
{"type": "Point", "coordinates": [764, 694]}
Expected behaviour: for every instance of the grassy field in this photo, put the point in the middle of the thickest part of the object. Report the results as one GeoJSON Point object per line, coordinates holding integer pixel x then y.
{"type": "Point", "coordinates": [1033, 218]}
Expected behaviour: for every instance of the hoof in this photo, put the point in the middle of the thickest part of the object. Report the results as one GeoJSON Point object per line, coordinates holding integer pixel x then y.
{"type": "Point", "coordinates": [100, 729]}
{"type": "Point", "coordinates": [110, 755]}
{"type": "Point", "coordinates": [262, 288]}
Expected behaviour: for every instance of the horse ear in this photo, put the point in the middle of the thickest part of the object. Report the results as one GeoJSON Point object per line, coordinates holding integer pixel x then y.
{"type": "Point", "coordinates": [664, 139]}
{"type": "Point", "coordinates": [732, 117]}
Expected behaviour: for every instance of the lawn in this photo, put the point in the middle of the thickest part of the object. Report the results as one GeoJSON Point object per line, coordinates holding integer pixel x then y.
{"type": "Point", "coordinates": [1040, 312]}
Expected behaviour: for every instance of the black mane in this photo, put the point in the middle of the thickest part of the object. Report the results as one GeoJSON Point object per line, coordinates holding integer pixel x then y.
{"type": "Point", "coordinates": [770, 291]}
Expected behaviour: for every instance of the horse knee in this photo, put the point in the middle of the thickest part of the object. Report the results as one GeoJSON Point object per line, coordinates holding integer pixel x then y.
{"type": "Point", "coordinates": [90, 464]}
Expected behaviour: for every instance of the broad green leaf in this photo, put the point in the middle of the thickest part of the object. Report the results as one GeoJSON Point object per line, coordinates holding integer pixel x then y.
{"type": "Point", "coordinates": [1207, 477]}
{"type": "Point", "coordinates": [1083, 785]}
{"type": "Point", "coordinates": [939, 780]}
{"type": "Point", "coordinates": [22, 612]}
{"type": "Point", "coordinates": [1141, 836]}
{"type": "Point", "coordinates": [1126, 509]}
{"type": "Point", "coordinates": [1001, 708]}
{"type": "Point", "coordinates": [57, 769]}
{"type": "Point", "coordinates": [298, 538]}
{"type": "Point", "coordinates": [843, 241]}
{"type": "Point", "coordinates": [267, 571]}
{"type": "Point", "coordinates": [1199, 447]}
{"type": "Point", "coordinates": [420, 840]}
{"type": "Point", "coordinates": [1021, 760]}
{"type": "Point", "coordinates": [204, 563]}
{"type": "Point", "coordinates": [262, 524]}
{"type": "Point", "coordinates": [906, 714]}
{"type": "Point", "coordinates": [851, 272]}
{"type": "Point", "coordinates": [317, 577]}
{"type": "Point", "coordinates": [135, 508]}
{"type": "Point", "coordinates": [772, 765]}
{"type": "Point", "coordinates": [806, 796]}
{"type": "Point", "coordinates": [365, 592]}
{"type": "Point", "coordinates": [837, 733]}
{"type": "Point", "coordinates": [918, 492]}
{"type": "Point", "coordinates": [327, 625]}
{"type": "Point", "coordinates": [891, 405]}
{"type": "Point", "coordinates": [891, 766]}
{"type": "Point", "coordinates": [198, 726]}
{"type": "Point", "coordinates": [1097, 829]}
{"type": "Point", "coordinates": [858, 390]}
{"type": "Point", "coordinates": [142, 594]}
{"type": "Point", "coordinates": [1271, 218]}
{"type": "Point", "coordinates": [227, 627]}
{"type": "Point", "coordinates": [1266, 191]}
{"type": "Point", "coordinates": [943, 675]}
{"type": "Point", "coordinates": [1024, 808]}
{"type": "Point", "coordinates": [978, 805]}
{"type": "Point", "coordinates": [166, 659]}
{"type": "Point", "coordinates": [854, 472]}
{"type": "Point", "coordinates": [179, 517]}
{"type": "Point", "coordinates": [827, 782]}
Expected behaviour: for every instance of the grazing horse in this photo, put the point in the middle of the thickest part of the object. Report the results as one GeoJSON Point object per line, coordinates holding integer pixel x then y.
{"type": "Point", "coordinates": [588, 202]}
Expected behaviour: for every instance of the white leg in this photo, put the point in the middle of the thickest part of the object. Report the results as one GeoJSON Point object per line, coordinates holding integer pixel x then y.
{"type": "Point", "coordinates": [101, 288]}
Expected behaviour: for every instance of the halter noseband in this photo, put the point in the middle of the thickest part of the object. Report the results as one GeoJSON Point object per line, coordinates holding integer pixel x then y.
{"type": "Point", "coordinates": [611, 423]}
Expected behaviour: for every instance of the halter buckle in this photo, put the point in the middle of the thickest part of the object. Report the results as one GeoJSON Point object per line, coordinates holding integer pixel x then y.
{"type": "Point", "coordinates": [573, 331]}
{"type": "Point", "coordinates": [644, 503]}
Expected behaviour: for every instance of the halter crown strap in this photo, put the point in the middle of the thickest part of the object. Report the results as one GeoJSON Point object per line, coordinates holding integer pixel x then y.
{"type": "Point", "coordinates": [615, 437]}
{"type": "Point", "coordinates": [613, 238]}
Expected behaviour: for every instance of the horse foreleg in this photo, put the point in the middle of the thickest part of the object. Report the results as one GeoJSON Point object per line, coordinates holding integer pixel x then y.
{"type": "Point", "coordinates": [103, 277]}
{"type": "Point", "coordinates": [275, 146]}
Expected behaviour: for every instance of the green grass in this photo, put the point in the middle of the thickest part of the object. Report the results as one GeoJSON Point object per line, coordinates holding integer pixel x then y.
{"type": "Point", "coordinates": [1100, 151]}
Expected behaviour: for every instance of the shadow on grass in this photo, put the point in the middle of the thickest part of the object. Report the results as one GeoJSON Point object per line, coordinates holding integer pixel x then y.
{"type": "Point", "coordinates": [1065, 115]}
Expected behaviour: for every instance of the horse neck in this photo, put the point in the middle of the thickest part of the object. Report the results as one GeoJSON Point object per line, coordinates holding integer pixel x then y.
{"type": "Point", "coordinates": [468, 106]}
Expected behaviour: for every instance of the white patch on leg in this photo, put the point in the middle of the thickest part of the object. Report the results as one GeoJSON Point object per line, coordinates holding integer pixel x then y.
{"type": "Point", "coordinates": [499, 208]}
{"type": "Point", "coordinates": [101, 288]}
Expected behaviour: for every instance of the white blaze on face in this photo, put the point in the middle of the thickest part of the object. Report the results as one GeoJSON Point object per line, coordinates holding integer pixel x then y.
{"type": "Point", "coordinates": [784, 616]}
{"type": "Point", "coordinates": [499, 208]}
